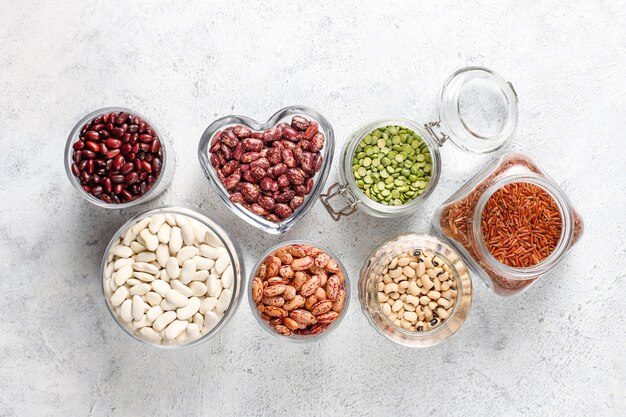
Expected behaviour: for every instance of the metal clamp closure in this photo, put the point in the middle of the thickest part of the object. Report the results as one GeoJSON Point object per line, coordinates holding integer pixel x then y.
{"type": "Point", "coordinates": [434, 128]}
{"type": "Point", "coordinates": [343, 190]}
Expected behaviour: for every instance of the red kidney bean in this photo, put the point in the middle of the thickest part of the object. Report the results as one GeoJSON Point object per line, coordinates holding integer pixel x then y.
{"type": "Point", "coordinates": [129, 157]}
{"type": "Point", "coordinates": [270, 172]}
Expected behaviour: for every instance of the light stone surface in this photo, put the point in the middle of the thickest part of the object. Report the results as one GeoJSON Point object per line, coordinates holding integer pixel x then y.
{"type": "Point", "coordinates": [557, 350]}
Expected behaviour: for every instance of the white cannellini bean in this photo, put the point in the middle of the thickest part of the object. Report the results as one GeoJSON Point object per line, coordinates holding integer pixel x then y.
{"type": "Point", "coordinates": [119, 296]}
{"type": "Point", "coordinates": [203, 263]}
{"type": "Point", "coordinates": [170, 219]}
{"type": "Point", "coordinates": [144, 276]}
{"type": "Point", "coordinates": [201, 275]}
{"type": "Point", "coordinates": [167, 306]}
{"type": "Point", "coordinates": [150, 240]}
{"type": "Point", "coordinates": [146, 257]}
{"type": "Point", "coordinates": [140, 289]}
{"type": "Point", "coordinates": [125, 311]}
{"type": "Point", "coordinates": [156, 223]}
{"type": "Point", "coordinates": [223, 302]}
{"type": "Point", "coordinates": [129, 236]}
{"type": "Point", "coordinates": [193, 331]}
{"type": "Point", "coordinates": [164, 233]}
{"type": "Point", "coordinates": [137, 307]}
{"type": "Point", "coordinates": [163, 320]}
{"type": "Point", "coordinates": [164, 276]}
{"type": "Point", "coordinates": [142, 224]}
{"type": "Point", "coordinates": [122, 251]}
{"type": "Point", "coordinates": [175, 328]}
{"type": "Point", "coordinates": [142, 322]}
{"type": "Point", "coordinates": [214, 287]}
{"type": "Point", "coordinates": [181, 220]}
{"type": "Point", "coordinates": [222, 263]}
{"type": "Point", "coordinates": [187, 312]}
{"type": "Point", "coordinates": [160, 287]}
{"type": "Point", "coordinates": [199, 231]}
{"type": "Point", "coordinates": [197, 288]}
{"type": "Point", "coordinates": [108, 272]}
{"type": "Point", "coordinates": [172, 268]}
{"type": "Point", "coordinates": [181, 288]}
{"type": "Point", "coordinates": [187, 252]}
{"type": "Point", "coordinates": [176, 240]}
{"type": "Point", "coordinates": [211, 239]}
{"type": "Point", "coordinates": [153, 298]}
{"type": "Point", "coordinates": [145, 267]}
{"type": "Point", "coordinates": [209, 252]}
{"type": "Point", "coordinates": [188, 235]}
{"type": "Point", "coordinates": [154, 313]}
{"type": "Point", "coordinates": [162, 254]}
{"type": "Point", "coordinates": [228, 277]}
{"type": "Point", "coordinates": [211, 320]}
{"type": "Point", "coordinates": [137, 247]}
{"type": "Point", "coordinates": [176, 298]}
{"type": "Point", "coordinates": [123, 262]}
{"type": "Point", "coordinates": [188, 271]}
{"type": "Point", "coordinates": [199, 320]}
{"type": "Point", "coordinates": [208, 304]}
{"type": "Point", "coordinates": [150, 334]}
{"type": "Point", "coordinates": [123, 274]}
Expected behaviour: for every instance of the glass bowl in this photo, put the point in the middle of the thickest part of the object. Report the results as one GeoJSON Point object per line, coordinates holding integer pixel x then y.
{"type": "Point", "coordinates": [283, 115]}
{"type": "Point", "coordinates": [294, 337]}
{"type": "Point", "coordinates": [162, 181]}
{"type": "Point", "coordinates": [380, 259]}
{"type": "Point", "coordinates": [225, 239]}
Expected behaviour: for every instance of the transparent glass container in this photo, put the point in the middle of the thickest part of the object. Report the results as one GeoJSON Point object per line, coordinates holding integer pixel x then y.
{"type": "Point", "coordinates": [283, 115]}
{"type": "Point", "coordinates": [380, 259]}
{"type": "Point", "coordinates": [294, 337]}
{"type": "Point", "coordinates": [162, 181]}
{"type": "Point", "coordinates": [477, 112]}
{"type": "Point", "coordinates": [458, 220]}
{"type": "Point", "coordinates": [226, 239]}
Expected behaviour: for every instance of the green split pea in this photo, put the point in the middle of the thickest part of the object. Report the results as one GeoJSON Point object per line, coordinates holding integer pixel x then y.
{"type": "Point", "coordinates": [392, 165]}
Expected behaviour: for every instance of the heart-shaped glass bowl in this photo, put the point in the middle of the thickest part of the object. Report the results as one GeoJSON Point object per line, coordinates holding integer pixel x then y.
{"type": "Point", "coordinates": [283, 115]}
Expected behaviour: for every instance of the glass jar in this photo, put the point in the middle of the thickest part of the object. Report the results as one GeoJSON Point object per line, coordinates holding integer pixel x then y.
{"type": "Point", "coordinates": [477, 112]}
{"type": "Point", "coordinates": [380, 259]}
{"type": "Point", "coordinates": [282, 116]}
{"type": "Point", "coordinates": [162, 181]}
{"type": "Point", "coordinates": [295, 337]}
{"type": "Point", "coordinates": [459, 221]}
{"type": "Point", "coordinates": [218, 232]}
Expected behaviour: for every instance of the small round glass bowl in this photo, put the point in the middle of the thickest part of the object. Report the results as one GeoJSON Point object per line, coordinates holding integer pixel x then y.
{"type": "Point", "coordinates": [162, 181]}
{"type": "Point", "coordinates": [215, 234]}
{"type": "Point", "coordinates": [295, 337]}
{"type": "Point", "coordinates": [380, 259]}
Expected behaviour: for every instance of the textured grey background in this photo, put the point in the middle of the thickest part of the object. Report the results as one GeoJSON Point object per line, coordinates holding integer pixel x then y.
{"type": "Point", "coordinates": [556, 350]}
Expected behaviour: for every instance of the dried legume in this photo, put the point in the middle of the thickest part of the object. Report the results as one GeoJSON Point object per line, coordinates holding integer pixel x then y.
{"type": "Point", "coordinates": [392, 165]}
{"type": "Point", "coordinates": [409, 300]}
{"type": "Point", "coordinates": [299, 289]}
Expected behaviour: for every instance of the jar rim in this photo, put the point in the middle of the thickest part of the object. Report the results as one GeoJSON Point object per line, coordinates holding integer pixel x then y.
{"type": "Point", "coordinates": [73, 137]}
{"type": "Point", "coordinates": [349, 179]}
{"type": "Point", "coordinates": [563, 205]}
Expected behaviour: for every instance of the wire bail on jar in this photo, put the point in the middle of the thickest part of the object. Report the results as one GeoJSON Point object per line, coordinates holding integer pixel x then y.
{"type": "Point", "coordinates": [343, 190]}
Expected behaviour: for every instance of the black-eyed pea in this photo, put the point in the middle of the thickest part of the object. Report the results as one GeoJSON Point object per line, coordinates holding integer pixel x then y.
{"type": "Point", "coordinates": [447, 294]}
{"type": "Point", "coordinates": [397, 322]}
{"type": "Point", "coordinates": [386, 309]}
{"type": "Point", "coordinates": [408, 272]}
{"type": "Point", "coordinates": [445, 286]}
{"type": "Point", "coordinates": [437, 286]}
{"type": "Point", "coordinates": [443, 302]}
{"type": "Point", "coordinates": [395, 273]}
{"type": "Point", "coordinates": [391, 288]}
{"type": "Point", "coordinates": [412, 299]}
{"type": "Point", "coordinates": [434, 295]}
{"type": "Point", "coordinates": [413, 263]}
{"type": "Point", "coordinates": [393, 264]}
{"type": "Point", "coordinates": [406, 325]}
{"type": "Point", "coordinates": [432, 305]}
{"type": "Point", "coordinates": [409, 306]}
{"type": "Point", "coordinates": [394, 295]}
{"type": "Point", "coordinates": [403, 285]}
{"type": "Point", "coordinates": [420, 313]}
{"type": "Point", "coordinates": [381, 286]}
{"type": "Point", "coordinates": [443, 276]}
{"type": "Point", "coordinates": [410, 316]}
{"type": "Point", "coordinates": [419, 326]}
{"type": "Point", "coordinates": [412, 288]}
{"type": "Point", "coordinates": [424, 300]}
{"type": "Point", "coordinates": [393, 317]}
{"type": "Point", "coordinates": [431, 273]}
{"type": "Point", "coordinates": [427, 282]}
{"type": "Point", "coordinates": [400, 313]}
{"type": "Point", "coordinates": [428, 313]}
{"type": "Point", "coordinates": [403, 261]}
{"type": "Point", "coordinates": [402, 297]}
{"type": "Point", "coordinates": [387, 279]}
{"type": "Point", "coordinates": [437, 261]}
{"type": "Point", "coordinates": [397, 305]}
{"type": "Point", "coordinates": [382, 297]}
{"type": "Point", "coordinates": [428, 263]}
{"type": "Point", "coordinates": [412, 328]}
{"type": "Point", "coordinates": [390, 301]}
{"type": "Point", "coordinates": [420, 269]}
{"type": "Point", "coordinates": [442, 313]}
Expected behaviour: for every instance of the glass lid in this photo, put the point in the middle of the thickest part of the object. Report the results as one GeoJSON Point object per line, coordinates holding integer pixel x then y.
{"type": "Point", "coordinates": [477, 110]}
